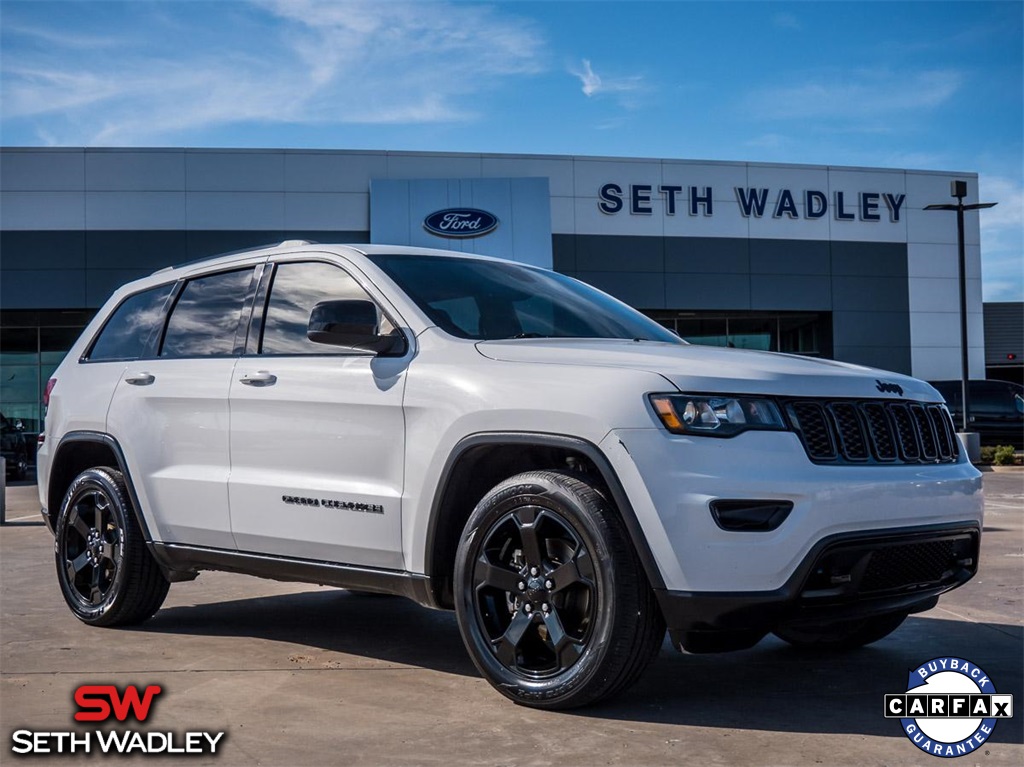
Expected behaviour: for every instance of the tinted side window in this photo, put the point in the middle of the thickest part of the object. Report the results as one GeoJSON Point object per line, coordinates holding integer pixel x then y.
{"type": "Point", "coordinates": [296, 289]}
{"type": "Point", "coordinates": [131, 327]}
{"type": "Point", "coordinates": [205, 319]}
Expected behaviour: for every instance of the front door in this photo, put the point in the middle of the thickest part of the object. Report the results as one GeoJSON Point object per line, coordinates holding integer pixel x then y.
{"type": "Point", "coordinates": [317, 433]}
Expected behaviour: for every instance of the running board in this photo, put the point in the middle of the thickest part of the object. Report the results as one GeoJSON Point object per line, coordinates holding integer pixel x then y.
{"type": "Point", "coordinates": [182, 560]}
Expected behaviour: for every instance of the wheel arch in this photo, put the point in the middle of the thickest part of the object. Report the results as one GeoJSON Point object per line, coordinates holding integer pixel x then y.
{"type": "Point", "coordinates": [480, 461]}
{"type": "Point", "coordinates": [81, 450]}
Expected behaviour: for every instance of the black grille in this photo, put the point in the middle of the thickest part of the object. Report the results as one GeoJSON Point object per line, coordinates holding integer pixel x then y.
{"type": "Point", "coordinates": [874, 431]}
{"type": "Point", "coordinates": [897, 567]}
{"type": "Point", "coordinates": [883, 564]}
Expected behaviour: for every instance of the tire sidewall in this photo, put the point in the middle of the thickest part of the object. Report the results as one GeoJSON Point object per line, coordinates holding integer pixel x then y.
{"type": "Point", "coordinates": [571, 511]}
{"type": "Point", "coordinates": [89, 481]}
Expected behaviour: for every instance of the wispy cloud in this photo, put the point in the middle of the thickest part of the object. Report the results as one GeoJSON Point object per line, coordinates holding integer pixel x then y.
{"type": "Point", "coordinates": [786, 21]}
{"type": "Point", "coordinates": [596, 85]}
{"type": "Point", "coordinates": [1002, 238]}
{"type": "Point", "coordinates": [856, 96]}
{"type": "Point", "coordinates": [284, 61]}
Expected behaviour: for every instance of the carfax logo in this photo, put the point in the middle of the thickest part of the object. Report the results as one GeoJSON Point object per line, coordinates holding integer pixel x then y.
{"type": "Point", "coordinates": [950, 707]}
{"type": "Point", "coordinates": [102, 703]}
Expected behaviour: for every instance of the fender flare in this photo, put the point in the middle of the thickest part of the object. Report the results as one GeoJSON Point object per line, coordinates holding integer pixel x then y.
{"type": "Point", "coordinates": [98, 437]}
{"type": "Point", "coordinates": [588, 449]}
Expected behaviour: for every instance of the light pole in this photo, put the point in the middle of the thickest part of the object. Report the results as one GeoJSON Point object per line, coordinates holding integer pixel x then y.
{"type": "Point", "coordinates": [958, 189]}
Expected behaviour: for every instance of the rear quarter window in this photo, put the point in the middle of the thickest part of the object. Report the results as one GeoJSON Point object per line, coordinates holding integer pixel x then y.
{"type": "Point", "coordinates": [132, 327]}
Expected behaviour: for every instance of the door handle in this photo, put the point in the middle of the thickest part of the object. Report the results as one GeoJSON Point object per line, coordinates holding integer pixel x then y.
{"type": "Point", "coordinates": [259, 378]}
{"type": "Point", "coordinates": [140, 379]}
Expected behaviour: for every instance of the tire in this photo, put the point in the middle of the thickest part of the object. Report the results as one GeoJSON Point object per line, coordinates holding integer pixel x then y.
{"type": "Point", "coordinates": [20, 469]}
{"type": "Point", "coordinates": [584, 624]}
{"type": "Point", "coordinates": [846, 635]}
{"type": "Point", "coordinates": [106, 573]}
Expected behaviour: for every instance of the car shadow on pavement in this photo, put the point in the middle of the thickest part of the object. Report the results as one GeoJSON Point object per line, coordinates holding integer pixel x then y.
{"type": "Point", "coordinates": [386, 628]}
{"type": "Point", "coordinates": [769, 687]}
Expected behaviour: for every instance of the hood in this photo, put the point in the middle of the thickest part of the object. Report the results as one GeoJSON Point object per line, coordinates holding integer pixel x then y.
{"type": "Point", "coordinates": [709, 369]}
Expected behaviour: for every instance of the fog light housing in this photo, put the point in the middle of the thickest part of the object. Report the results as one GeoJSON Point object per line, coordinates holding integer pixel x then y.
{"type": "Point", "coordinates": [750, 516]}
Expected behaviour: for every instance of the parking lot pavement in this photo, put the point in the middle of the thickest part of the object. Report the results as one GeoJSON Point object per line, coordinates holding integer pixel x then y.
{"type": "Point", "coordinates": [302, 675]}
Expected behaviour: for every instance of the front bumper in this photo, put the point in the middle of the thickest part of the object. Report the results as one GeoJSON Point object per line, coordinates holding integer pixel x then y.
{"type": "Point", "coordinates": [671, 482]}
{"type": "Point", "coordinates": [844, 577]}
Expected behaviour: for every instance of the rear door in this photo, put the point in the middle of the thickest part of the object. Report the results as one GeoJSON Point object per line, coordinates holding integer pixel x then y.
{"type": "Point", "coordinates": [317, 431]}
{"type": "Point", "coordinates": [170, 410]}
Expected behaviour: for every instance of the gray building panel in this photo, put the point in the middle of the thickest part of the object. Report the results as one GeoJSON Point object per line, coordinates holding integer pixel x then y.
{"type": "Point", "coordinates": [563, 253]}
{"type": "Point", "coordinates": [791, 292]}
{"type": "Point", "coordinates": [867, 259]}
{"type": "Point", "coordinates": [201, 244]}
{"type": "Point", "coordinates": [42, 210]}
{"type": "Point", "coordinates": [43, 289]}
{"type": "Point", "coordinates": [42, 250]}
{"type": "Point", "coordinates": [127, 171]}
{"type": "Point", "coordinates": [706, 291]}
{"type": "Point", "coordinates": [644, 291]}
{"type": "Point", "coordinates": [136, 210]}
{"type": "Point", "coordinates": [150, 250]}
{"type": "Point", "coordinates": [612, 253]}
{"type": "Point", "coordinates": [332, 172]}
{"type": "Point", "coordinates": [807, 257]}
{"type": "Point", "coordinates": [870, 328]}
{"type": "Point", "coordinates": [237, 171]}
{"type": "Point", "coordinates": [894, 358]}
{"type": "Point", "coordinates": [707, 255]}
{"type": "Point", "coordinates": [44, 170]}
{"type": "Point", "coordinates": [870, 294]}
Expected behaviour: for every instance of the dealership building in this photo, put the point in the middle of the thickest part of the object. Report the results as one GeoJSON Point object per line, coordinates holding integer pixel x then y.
{"type": "Point", "coordinates": [834, 262]}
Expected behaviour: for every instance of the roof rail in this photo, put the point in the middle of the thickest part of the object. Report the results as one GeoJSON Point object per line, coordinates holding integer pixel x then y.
{"type": "Point", "coordinates": [284, 244]}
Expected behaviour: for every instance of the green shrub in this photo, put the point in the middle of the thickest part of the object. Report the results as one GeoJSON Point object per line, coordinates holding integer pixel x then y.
{"type": "Point", "coordinates": [1003, 455]}
{"type": "Point", "coordinates": [988, 454]}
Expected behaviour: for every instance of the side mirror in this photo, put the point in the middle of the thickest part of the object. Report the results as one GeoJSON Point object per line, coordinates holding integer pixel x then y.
{"type": "Point", "coordinates": [352, 324]}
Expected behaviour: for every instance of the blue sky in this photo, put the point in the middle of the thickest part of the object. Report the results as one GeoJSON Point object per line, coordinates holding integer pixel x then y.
{"type": "Point", "coordinates": [930, 85]}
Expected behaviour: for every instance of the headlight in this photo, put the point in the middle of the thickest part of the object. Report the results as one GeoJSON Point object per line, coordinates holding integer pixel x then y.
{"type": "Point", "coordinates": [716, 415]}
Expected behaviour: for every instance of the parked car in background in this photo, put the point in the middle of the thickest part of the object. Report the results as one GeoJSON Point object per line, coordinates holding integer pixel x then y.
{"type": "Point", "coordinates": [996, 413]}
{"type": "Point", "coordinates": [14, 448]}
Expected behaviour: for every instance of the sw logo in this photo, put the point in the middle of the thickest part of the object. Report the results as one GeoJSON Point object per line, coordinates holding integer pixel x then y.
{"type": "Point", "coordinates": [98, 701]}
{"type": "Point", "coordinates": [105, 703]}
{"type": "Point", "coordinates": [950, 707]}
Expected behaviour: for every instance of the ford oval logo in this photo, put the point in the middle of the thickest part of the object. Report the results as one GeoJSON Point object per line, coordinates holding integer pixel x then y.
{"type": "Point", "coordinates": [460, 222]}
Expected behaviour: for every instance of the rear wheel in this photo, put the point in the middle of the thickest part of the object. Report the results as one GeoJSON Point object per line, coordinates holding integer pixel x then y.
{"type": "Point", "coordinates": [552, 602]}
{"type": "Point", "coordinates": [106, 573]}
{"type": "Point", "coordinates": [844, 635]}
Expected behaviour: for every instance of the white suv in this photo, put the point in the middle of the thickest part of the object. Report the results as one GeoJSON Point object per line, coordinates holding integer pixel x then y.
{"type": "Point", "coordinates": [499, 439]}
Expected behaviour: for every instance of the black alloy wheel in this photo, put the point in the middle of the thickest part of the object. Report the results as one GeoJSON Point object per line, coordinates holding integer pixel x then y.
{"type": "Point", "coordinates": [92, 547]}
{"type": "Point", "coordinates": [552, 601]}
{"type": "Point", "coordinates": [106, 573]}
{"type": "Point", "coordinates": [535, 593]}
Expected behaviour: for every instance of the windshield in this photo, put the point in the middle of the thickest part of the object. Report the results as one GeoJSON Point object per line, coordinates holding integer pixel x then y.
{"type": "Point", "coordinates": [491, 300]}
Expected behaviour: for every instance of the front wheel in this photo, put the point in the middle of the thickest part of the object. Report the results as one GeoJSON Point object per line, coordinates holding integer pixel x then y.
{"type": "Point", "coordinates": [551, 599]}
{"type": "Point", "coordinates": [106, 573]}
{"type": "Point", "coordinates": [844, 635]}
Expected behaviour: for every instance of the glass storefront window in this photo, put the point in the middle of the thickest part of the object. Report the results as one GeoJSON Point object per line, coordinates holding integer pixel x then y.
{"type": "Point", "coordinates": [706, 332]}
{"type": "Point", "coordinates": [32, 345]}
{"type": "Point", "coordinates": [808, 333]}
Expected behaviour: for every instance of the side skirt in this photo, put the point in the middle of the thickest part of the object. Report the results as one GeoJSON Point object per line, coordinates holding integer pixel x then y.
{"type": "Point", "coordinates": [182, 560]}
